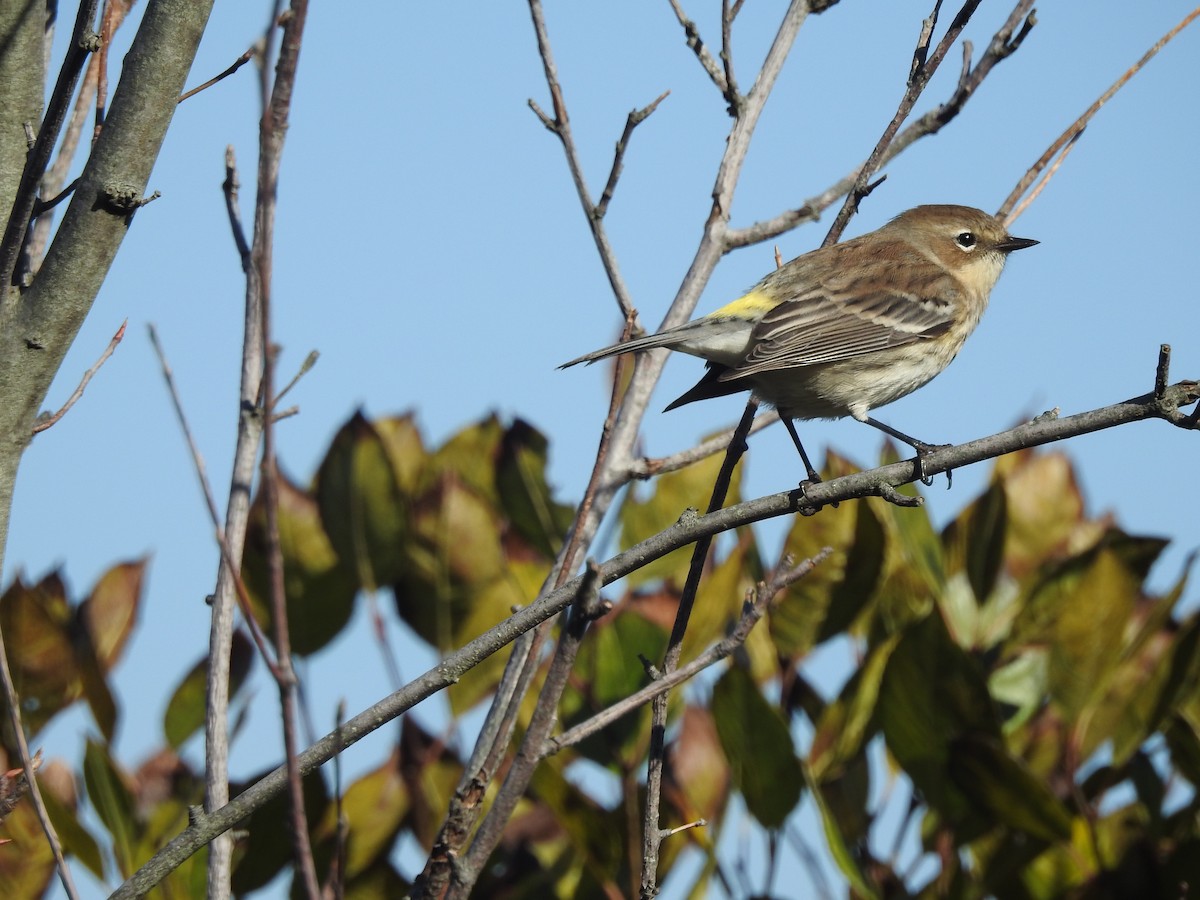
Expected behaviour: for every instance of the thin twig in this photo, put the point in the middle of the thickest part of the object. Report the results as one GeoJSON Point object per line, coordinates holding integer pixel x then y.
{"type": "Point", "coordinates": [732, 97]}
{"type": "Point", "coordinates": [44, 206]}
{"type": "Point", "coordinates": [634, 119]}
{"type": "Point", "coordinates": [43, 424]}
{"type": "Point", "coordinates": [755, 608]}
{"type": "Point", "coordinates": [560, 125]}
{"type": "Point", "coordinates": [649, 467]}
{"type": "Point", "coordinates": [1044, 180]}
{"type": "Point", "coordinates": [697, 46]}
{"type": "Point", "coordinates": [237, 64]}
{"type": "Point", "coordinates": [201, 469]}
{"type": "Point", "coordinates": [1076, 128]}
{"type": "Point", "coordinates": [230, 188]}
{"type": "Point", "coordinates": [337, 873]}
{"type": "Point", "coordinates": [305, 368]}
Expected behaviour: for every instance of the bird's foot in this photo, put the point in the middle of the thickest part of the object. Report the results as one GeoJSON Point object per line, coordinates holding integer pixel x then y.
{"type": "Point", "coordinates": [924, 450]}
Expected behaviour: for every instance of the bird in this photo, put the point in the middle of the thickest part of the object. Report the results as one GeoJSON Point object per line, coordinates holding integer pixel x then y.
{"type": "Point", "coordinates": [848, 328]}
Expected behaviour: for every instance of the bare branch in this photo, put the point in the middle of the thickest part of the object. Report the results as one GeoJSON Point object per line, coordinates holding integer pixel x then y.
{"type": "Point", "coordinates": [43, 424]}
{"type": "Point", "coordinates": [636, 117]}
{"type": "Point", "coordinates": [648, 467]}
{"type": "Point", "coordinates": [755, 608]}
{"type": "Point", "coordinates": [732, 97]}
{"type": "Point", "coordinates": [561, 126]}
{"type": "Point", "coordinates": [271, 140]}
{"type": "Point", "coordinates": [227, 556]}
{"type": "Point", "coordinates": [696, 45]}
{"type": "Point", "coordinates": [1073, 132]}
{"type": "Point", "coordinates": [237, 64]}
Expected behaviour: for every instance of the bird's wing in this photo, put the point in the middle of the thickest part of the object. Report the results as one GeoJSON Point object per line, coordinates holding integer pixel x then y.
{"type": "Point", "coordinates": [825, 326]}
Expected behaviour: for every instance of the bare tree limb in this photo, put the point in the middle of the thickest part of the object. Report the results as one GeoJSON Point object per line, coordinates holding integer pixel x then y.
{"type": "Point", "coordinates": [560, 125]}
{"type": "Point", "coordinates": [696, 45]}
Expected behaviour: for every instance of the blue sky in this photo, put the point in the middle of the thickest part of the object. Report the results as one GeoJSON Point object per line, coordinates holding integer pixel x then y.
{"type": "Point", "coordinates": [430, 246]}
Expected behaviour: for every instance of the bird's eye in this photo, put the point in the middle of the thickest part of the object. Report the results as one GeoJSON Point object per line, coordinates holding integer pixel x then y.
{"type": "Point", "coordinates": [966, 240]}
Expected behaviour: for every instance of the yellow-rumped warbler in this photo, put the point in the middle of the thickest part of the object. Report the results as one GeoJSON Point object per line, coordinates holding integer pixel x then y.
{"type": "Point", "coordinates": [851, 327]}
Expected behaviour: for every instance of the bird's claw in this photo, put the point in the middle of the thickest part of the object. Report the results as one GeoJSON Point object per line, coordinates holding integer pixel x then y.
{"type": "Point", "coordinates": [811, 507]}
{"type": "Point", "coordinates": [924, 450]}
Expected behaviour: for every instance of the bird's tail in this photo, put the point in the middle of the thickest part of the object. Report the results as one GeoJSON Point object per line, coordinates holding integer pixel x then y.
{"type": "Point", "coordinates": [672, 337]}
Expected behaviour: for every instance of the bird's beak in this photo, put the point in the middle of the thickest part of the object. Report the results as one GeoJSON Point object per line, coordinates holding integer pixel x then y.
{"type": "Point", "coordinates": [1009, 244]}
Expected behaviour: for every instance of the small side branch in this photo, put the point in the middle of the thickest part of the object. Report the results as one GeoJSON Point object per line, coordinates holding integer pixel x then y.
{"type": "Point", "coordinates": [755, 608]}
{"type": "Point", "coordinates": [635, 118]}
{"type": "Point", "coordinates": [237, 64]}
{"type": "Point", "coordinates": [560, 125]}
{"type": "Point", "coordinates": [43, 424]}
{"type": "Point", "coordinates": [696, 45]}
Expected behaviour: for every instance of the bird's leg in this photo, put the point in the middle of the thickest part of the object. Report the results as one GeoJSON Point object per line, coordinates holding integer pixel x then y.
{"type": "Point", "coordinates": [921, 447]}
{"type": "Point", "coordinates": [808, 466]}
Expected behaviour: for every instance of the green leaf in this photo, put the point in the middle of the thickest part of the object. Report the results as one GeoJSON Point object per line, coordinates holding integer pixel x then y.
{"type": "Point", "coordinates": [759, 748]}
{"type": "Point", "coordinates": [933, 694]}
{"type": "Point", "coordinates": [525, 493]}
{"type": "Point", "coordinates": [374, 807]}
{"type": "Point", "coordinates": [186, 708]}
{"type": "Point", "coordinates": [110, 612]}
{"type": "Point", "coordinates": [361, 505]}
{"type": "Point", "coordinates": [608, 669]}
{"type": "Point", "coordinates": [1044, 509]}
{"type": "Point", "coordinates": [76, 840]}
{"type": "Point", "coordinates": [843, 727]}
{"type": "Point", "coordinates": [37, 626]}
{"type": "Point", "coordinates": [405, 450]}
{"type": "Point", "coordinates": [827, 600]}
{"type": "Point", "coordinates": [1021, 683]}
{"type": "Point", "coordinates": [1003, 787]}
{"type": "Point", "coordinates": [265, 848]}
{"type": "Point", "coordinates": [843, 855]}
{"type": "Point", "coordinates": [113, 804]}
{"type": "Point", "coordinates": [974, 542]}
{"type": "Point", "coordinates": [452, 554]}
{"type": "Point", "coordinates": [319, 589]}
{"type": "Point", "coordinates": [470, 456]}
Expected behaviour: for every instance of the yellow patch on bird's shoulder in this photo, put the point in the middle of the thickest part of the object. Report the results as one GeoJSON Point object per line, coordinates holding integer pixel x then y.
{"type": "Point", "coordinates": [748, 306]}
